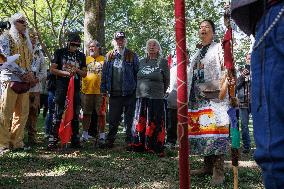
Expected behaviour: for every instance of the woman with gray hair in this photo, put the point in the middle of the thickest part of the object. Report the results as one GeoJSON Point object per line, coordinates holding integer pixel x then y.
{"type": "Point", "coordinates": [152, 81]}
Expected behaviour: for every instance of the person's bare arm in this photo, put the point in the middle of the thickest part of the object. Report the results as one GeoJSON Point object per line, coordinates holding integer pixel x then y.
{"type": "Point", "coordinates": [57, 72]}
{"type": "Point", "coordinates": [83, 72]}
{"type": "Point", "coordinates": [224, 88]}
{"type": "Point", "coordinates": [225, 83]}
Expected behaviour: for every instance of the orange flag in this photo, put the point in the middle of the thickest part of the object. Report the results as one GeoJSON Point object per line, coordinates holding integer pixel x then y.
{"type": "Point", "coordinates": [65, 129]}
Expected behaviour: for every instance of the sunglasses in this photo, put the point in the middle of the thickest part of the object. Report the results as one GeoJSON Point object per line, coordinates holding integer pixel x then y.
{"type": "Point", "coordinates": [21, 21]}
{"type": "Point", "coordinates": [75, 44]}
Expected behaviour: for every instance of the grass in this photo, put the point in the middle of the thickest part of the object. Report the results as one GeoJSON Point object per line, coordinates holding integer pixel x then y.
{"type": "Point", "coordinates": [103, 168]}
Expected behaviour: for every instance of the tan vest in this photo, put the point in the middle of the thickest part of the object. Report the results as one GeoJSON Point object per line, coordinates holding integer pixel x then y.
{"type": "Point", "coordinates": [22, 48]}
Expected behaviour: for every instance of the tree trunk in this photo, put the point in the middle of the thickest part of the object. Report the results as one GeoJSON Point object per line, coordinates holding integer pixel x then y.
{"type": "Point", "coordinates": [94, 28]}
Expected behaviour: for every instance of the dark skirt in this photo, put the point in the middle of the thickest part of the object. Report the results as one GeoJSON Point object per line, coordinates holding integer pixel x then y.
{"type": "Point", "coordinates": [148, 129]}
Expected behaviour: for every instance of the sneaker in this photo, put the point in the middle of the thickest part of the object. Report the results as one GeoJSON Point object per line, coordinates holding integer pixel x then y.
{"type": "Point", "coordinates": [27, 148]}
{"type": "Point", "coordinates": [84, 139]}
{"type": "Point", "coordinates": [52, 143]}
{"type": "Point", "coordinates": [90, 137]}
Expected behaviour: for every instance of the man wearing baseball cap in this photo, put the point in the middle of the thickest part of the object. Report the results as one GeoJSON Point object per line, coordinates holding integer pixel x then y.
{"type": "Point", "coordinates": [119, 82]}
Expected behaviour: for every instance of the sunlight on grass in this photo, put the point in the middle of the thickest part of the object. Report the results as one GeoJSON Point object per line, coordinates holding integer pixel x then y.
{"type": "Point", "coordinates": [155, 184]}
{"type": "Point", "coordinates": [111, 168]}
{"type": "Point", "coordinates": [62, 169]}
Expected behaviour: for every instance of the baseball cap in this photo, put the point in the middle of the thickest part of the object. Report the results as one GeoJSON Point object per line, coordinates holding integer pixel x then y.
{"type": "Point", "coordinates": [119, 34]}
{"type": "Point", "coordinates": [74, 37]}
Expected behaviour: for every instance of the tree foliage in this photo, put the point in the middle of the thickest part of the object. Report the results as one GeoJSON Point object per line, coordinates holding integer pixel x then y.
{"type": "Point", "coordinates": [140, 19]}
{"type": "Point", "coordinates": [52, 19]}
{"type": "Point", "coordinates": [94, 21]}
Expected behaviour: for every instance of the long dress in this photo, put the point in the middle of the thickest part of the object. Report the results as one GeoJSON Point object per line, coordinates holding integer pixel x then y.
{"type": "Point", "coordinates": [208, 118]}
{"type": "Point", "coordinates": [148, 127]}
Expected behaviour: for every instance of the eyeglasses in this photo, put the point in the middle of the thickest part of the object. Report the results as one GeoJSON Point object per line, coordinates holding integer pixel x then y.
{"type": "Point", "coordinates": [75, 44]}
{"type": "Point", "coordinates": [21, 21]}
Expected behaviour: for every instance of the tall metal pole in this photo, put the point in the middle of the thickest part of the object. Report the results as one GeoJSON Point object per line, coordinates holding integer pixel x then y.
{"type": "Point", "coordinates": [182, 96]}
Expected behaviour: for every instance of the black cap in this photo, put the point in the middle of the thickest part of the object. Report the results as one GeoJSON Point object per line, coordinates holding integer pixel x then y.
{"type": "Point", "coordinates": [119, 34]}
{"type": "Point", "coordinates": [74, 37]}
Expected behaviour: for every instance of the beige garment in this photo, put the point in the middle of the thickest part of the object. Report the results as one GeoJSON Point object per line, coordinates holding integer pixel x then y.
{"type": "Point", "coordinates": [94, 103]}
{"type": "Point", "coordinates": [21, 48]}
{"type": "Point", "coordinates": [14, 114]}
{"type": "Point", "coordinates": [32, 118]}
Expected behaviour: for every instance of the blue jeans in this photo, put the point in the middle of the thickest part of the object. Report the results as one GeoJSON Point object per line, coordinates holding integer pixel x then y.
{"type": "Point", "coordinates": [267, 65]}
{"type": "Point", "coordinates": [244, 115]}
{"type": "Point", "coordinates": [49, 118]}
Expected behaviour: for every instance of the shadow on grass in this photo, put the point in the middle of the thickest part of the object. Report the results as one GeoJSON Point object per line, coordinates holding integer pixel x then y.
{"type": "Point", "coordinates": [103, 168]}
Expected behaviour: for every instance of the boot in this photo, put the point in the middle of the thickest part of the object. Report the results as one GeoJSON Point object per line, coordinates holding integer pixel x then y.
{"type": "Point", "coordinates": [207, 167]}
{"type": "Point", "coordinates": [218, 171]}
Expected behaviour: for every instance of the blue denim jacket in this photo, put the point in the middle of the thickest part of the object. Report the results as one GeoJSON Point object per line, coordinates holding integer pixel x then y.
{"type": "Point", "coordinates": [129, 72]}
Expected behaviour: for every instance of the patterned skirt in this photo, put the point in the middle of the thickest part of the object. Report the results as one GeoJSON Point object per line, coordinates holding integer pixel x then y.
{"type": "Point", "coordinates": [208, 128]}
{"type": "Point", "coordinates": [148, 129]}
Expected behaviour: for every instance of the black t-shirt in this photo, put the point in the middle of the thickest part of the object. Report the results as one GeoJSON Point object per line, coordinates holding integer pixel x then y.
{"type": "Point", "coordinates": [63, 57]}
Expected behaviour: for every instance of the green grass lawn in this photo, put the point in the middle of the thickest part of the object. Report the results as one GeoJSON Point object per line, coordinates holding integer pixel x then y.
{"type": "Point", "coordinates": [103, 168]}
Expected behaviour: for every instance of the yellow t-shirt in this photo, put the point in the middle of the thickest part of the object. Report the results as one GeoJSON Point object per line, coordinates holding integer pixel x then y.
{"type": "Point", "coordinates": [92, 82]}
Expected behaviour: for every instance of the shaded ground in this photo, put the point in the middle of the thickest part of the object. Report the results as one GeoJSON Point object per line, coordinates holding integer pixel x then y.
{"type": "Point", "coordinates": [115, 168]}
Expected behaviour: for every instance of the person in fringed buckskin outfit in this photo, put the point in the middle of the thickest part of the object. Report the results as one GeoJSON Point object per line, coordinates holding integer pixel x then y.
{"type": "Point", "coordinates": [39, 70]}
{"type": "Point", "coordinates": [14, 105]}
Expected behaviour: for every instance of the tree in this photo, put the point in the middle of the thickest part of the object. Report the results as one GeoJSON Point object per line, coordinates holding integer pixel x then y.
{"type": "Point", "coordinates": [94, 21]}
{"type": "Point", "coordinates": [139, 19]}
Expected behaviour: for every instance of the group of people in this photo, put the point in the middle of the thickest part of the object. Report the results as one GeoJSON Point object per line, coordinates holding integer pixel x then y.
{"type": "Point", "coordinates": [132, 89]}
{"type": "Point", "coordinates": [144, 92]}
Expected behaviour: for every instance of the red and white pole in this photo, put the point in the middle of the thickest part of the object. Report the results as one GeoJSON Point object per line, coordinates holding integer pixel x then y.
{"type": "Point", "coordinates": [182, 95]}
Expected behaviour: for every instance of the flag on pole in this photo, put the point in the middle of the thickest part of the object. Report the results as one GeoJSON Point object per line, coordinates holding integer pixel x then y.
{"type": "Point", "coordinates": [65, 129]}
{"type": "Point", "coordinates": [228, 56]}
{"type": "Point", "coordinates": [229, 64]}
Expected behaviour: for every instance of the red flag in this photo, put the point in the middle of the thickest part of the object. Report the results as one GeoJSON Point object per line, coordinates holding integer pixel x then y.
{"type": "Point", "coordinates": [65, 129]}
{"type": "Point", "coordinates": [170, 61]}
{"type": "Point", "coordinates": [228, 57]}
